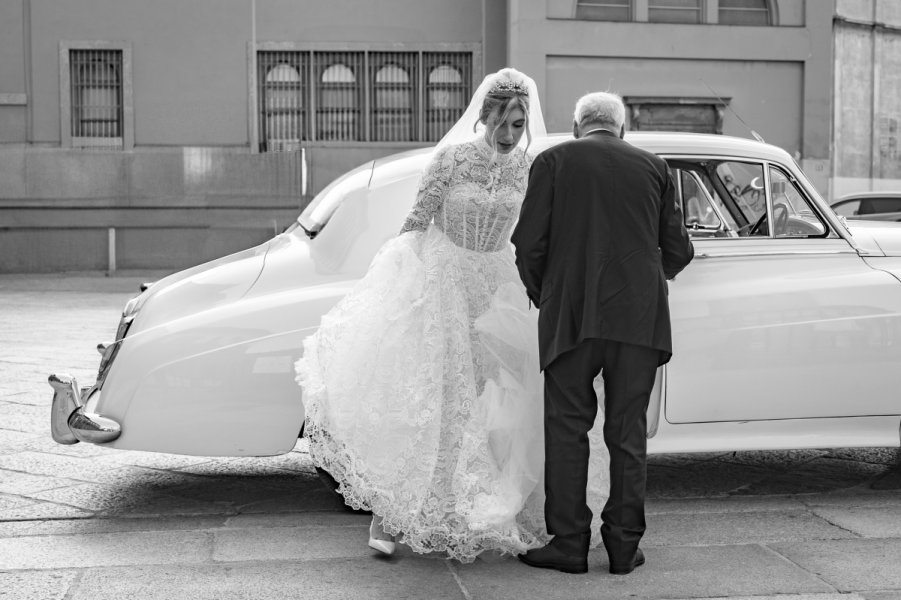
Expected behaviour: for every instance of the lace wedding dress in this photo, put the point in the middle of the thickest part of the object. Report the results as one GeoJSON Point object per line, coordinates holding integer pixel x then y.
{"type": "Point", "coordinates": [422, 388]}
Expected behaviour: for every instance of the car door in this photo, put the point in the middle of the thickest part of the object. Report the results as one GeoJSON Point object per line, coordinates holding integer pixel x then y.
{"type": "Point", "coordinates": [777, 316]}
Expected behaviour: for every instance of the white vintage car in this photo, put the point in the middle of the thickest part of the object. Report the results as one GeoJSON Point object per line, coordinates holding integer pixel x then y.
{"type": "Point", "coordinates": [787, 324]}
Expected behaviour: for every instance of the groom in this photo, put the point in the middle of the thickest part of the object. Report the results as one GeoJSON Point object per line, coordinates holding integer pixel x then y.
{"type": "Point", "coordinates": [598, 236]}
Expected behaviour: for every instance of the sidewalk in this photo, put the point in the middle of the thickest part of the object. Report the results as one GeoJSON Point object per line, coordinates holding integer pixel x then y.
{"type": "Point", "coordinates": [79, 522]}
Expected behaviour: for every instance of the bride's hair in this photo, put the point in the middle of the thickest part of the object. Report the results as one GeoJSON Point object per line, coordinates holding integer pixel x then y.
{"type": "Point", "coordinates": [505, 96]}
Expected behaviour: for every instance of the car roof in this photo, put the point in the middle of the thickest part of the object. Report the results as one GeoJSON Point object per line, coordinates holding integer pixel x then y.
{"type": "Point", "coordinates": [679, 142]}
{"type": "Point", "coordinates": [866, 195]}
{"type": "Point", "coordinates": [671, 143]}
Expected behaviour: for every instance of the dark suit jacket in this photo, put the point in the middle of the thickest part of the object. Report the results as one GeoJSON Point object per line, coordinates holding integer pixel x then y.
{"type": "Point", "coordinates": [598, 235]}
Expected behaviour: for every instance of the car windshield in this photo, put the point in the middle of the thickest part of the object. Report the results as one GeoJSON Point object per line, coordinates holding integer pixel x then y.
{"type": "Point", "coordinates": [318, 212]}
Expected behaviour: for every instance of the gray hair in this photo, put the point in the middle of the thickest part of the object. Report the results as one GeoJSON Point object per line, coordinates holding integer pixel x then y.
{"type": "Point", "coordinates": [603, 108]}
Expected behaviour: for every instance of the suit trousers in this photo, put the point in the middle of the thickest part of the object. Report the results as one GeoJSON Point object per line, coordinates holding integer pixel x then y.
{"type": "Point", "coordinates": [570, 409]}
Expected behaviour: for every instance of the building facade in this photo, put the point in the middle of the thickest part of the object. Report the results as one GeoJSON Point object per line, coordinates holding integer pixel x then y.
{"type": "Point", "coordinates": [139, 134]}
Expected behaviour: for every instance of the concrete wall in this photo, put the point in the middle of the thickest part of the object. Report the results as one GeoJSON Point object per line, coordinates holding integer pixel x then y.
{"type": "Point", "coordinates": [192, 188]}
{"type": "Point", "coordinates": [778, 78]}
{"type": "Point", "coordinates": [13, 97]}
{"type": "Point", "coordinates": [867, 121]}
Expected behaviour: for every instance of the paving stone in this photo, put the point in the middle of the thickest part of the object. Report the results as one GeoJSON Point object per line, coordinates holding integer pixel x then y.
{"type": "Point", "coordinates": [247, 466]}
{"type": "Point", "coordinates": [37, 463]}
{"type": "Point", "coordinates": [867, 522]}
{"type": "Point", "coordinates": [793, 597]}
{"type": "Point", "coordinates": [110, 525]}
{"type": "Point", "coordinates": [36, 585]}
{"type": "Point", "coordinates": [817, 475]}
{"type": "Point", "coordinates": [739, 528]}
{"type": "Point", "coordinates": [152, 460]}
{"type": "Point", "coordinates": [148, 479]}
{"type": "Point", "coordinates": [114, 500]}
{"type": "Point", "coordinates": [888, 481]}
{"type": "Point", "coordinates": [44, 443]}
{"type": "Point", "coordinates": [772, 460]}
{"type": "Point", "coordinates": [885, 456]}
{"type": "Point", "coordinates": [710, 478]}
{"type": "Point", "coordinates": [856, 497]}
{"type": "Point", "coordinates": [16, 441]}
{"type": "Point", "coordinates": [291, 543]}
{"type": "Point", "coordinates": [105, 549]}
{"type": "Point", "coordinates": [306, 519]}
{"type": "Point", "coordinates": [367, 577]}
{"type": "Point", "coordinates": [25, 417]}
{"type": "Point", "coordinates": [724, 504]}
{"type": "Point", "coordinates": [25, 484]}
{"type": "Point", "coordinates": [849, 565]}
{"type": "Point", "coordinates": [682, 459]}
{"type": "Point", "coordinates": [29, 509]}
{"type": "Point", "coordinates": [675, 572]}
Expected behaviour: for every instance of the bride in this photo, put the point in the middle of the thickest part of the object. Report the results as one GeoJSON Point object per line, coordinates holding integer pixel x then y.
{"type": "Point", "coordinates": [422, 388]}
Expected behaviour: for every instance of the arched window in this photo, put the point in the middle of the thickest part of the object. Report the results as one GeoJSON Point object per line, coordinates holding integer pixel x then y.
{"type": "Point", "coordinates": [339, 97]}
{"type": "Point", "coordinates": [446, 97]}
{"type": "Point", "coordinates": [283, 116]}
{"type": "Point", "coordinates": [96, 92]}
{"type": "Point", "coordinates": [393, 98]}
{"type": "Point", "coordinates": [745, 12]}
{"type": "Point", "coordinates": [377, 96]}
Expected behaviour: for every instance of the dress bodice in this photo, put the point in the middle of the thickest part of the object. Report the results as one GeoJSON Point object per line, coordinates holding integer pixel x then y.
{"type": "Point", "coordinates": [472, 194]}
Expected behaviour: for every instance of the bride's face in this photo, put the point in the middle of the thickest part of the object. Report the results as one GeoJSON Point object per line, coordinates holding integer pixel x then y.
{"type": "Point", "coordinates": [505, 134]}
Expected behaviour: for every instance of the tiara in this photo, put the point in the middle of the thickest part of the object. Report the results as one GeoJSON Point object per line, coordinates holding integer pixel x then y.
{"type": "Point", "coordinates": [509, 86]}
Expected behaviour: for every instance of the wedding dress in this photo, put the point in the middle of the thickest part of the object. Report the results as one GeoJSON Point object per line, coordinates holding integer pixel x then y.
{"type": "Point", "coordinates": [422, 387]}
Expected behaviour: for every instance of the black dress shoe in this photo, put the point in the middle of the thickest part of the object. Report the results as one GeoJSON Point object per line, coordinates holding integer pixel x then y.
{"type": "Point", "coordinates": [627, 568]}
{"type": "Point", "coordinates": [552, 558]}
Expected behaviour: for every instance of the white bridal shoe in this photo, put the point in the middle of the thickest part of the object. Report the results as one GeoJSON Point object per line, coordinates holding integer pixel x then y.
{"type": "Point", "coordinates": [378, 539]}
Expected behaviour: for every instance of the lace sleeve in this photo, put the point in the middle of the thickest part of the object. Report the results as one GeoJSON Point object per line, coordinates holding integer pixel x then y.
{"type": "Point", "coordinates": [431, 192]}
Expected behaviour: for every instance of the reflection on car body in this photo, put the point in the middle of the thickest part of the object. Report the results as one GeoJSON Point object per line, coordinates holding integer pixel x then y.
{"type": "Point", "coordinates": [786, 326]}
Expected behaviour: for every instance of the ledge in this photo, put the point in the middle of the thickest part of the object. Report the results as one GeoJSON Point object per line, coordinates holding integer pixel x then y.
{"type": "Point", "coordinates": [13, 99]}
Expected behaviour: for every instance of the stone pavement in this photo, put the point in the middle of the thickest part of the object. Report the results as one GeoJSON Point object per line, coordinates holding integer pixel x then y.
{"type": "Point", "coordinates": [79, 522]}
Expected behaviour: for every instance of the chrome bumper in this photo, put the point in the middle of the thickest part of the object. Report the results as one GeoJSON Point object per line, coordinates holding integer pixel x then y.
{"type": "Point", "coordinates": [69, 422]}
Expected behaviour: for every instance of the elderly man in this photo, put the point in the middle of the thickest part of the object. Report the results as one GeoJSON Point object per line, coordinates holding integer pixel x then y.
{"type": "Point", "coordinates": [598, 235]}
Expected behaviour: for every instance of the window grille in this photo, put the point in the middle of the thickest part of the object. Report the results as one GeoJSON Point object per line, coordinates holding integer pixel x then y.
{"type": "Point", "coordinates": [96, 93]}
{"type": "Point", "coordinates": [338, 95]}
{"type": "Point", "coordinates": [744, 12]}
{"type": "Point", "coordinates": [604, 10]}
{"type": "Point", "coordinates": [283, 84]}
{"type": "Point", "coordinates": [362, 96]}
{"type": "Point", "coordinates": [394, 77]}
{"type": "Point", "coordinates": [674, 11]}
{"type": "Point", "coordinates": [447, 91]}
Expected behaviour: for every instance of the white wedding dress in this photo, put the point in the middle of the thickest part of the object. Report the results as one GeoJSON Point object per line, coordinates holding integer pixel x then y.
{"type": "Point", "coordinates": [422, 387]}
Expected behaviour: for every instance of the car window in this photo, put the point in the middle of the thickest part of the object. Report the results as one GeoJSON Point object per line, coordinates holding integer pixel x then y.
{"type": "Point", "coordinates": [703, 209]}
{"type": "Point", "coordinates": [872, 206]}
{"type": "Point", "coordinates": [848, 208]}
{"type": "Point", "coordinates": [744, 183]}
{"type": "Point", "coordinates": [697, 206]}
{"type": "Point", "coordinates": [793, 215]}
{"type": "Point", "coordinates": [721, 198]}
{"type": "Point", "coordinates": [742, 198]}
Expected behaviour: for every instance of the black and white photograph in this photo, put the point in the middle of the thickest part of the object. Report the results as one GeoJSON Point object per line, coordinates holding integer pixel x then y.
{"type": "Point", "coordinates": [450, 299]}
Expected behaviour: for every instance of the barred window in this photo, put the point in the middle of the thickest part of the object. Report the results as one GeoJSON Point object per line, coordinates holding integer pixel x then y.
{"type": "Point", "coordinates": [674, 11]}
{"type": "Point", "coordinates": [95, 79]}
{"type": "Point", "coordinates": [744, 12]}
{"type": "Point", "coordinates": [359, 96]}
{"type": "Point", "coordinates": [447, 93]}
{"type": "Point", "coordinates": [604, 10]}
{"type": "Point", "coordinates": [393, 97]}
{"type": "Point", "coordinates": [283, 118]}
{"type": "Point", "coordinates": [339, 95]}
